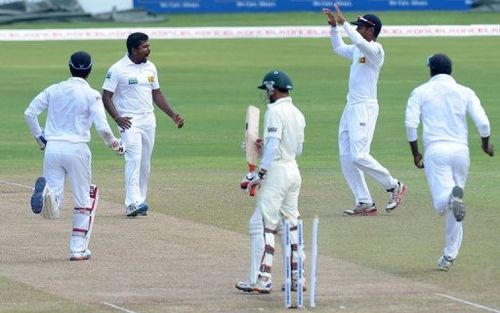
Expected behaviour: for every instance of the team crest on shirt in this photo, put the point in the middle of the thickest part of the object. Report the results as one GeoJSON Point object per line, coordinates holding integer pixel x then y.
{"type": "Point", "coordinates": [133, 81]}
{"type": "Point", "coordinates": [362, 60]}
{"type": "Point", "coordinates": [151, 79]}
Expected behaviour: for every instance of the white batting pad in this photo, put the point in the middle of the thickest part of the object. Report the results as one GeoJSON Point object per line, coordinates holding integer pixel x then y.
{"type": "Point", "coordinates": [50, 208]}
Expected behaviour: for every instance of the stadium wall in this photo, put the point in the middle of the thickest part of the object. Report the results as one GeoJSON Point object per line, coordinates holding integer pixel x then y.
{"type": "Point", "coordinates": [240, 32]}
{"type": "Point", "coordinates": [227, 6]}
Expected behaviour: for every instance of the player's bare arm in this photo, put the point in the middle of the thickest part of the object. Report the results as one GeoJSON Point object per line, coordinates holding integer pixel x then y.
{"type": "Point", "coordinates": [123, 122]}
{"type": "Point", "coordinates": [488, 148]}
{"type": "Point", "coordinates": [330, 16]}
{"type": "Point", "coordinates": [417, 156]}
{"type": "Point", "coordinates": [338, 14]}
{"type": "Point", "coordinates": [163, 104]}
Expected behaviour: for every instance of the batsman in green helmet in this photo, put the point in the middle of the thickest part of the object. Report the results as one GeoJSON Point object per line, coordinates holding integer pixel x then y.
{"type": "Point", "coordinates": [279, 180]}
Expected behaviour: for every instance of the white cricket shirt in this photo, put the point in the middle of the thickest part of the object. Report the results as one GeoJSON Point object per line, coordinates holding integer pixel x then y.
{"type": "Point", "coordinates": [284, 121]}
{"type": "Point", "coordinates": [366, 58]}
{"type": "Point", "coordinates": [72, 107]}
{"type": "Point", "coordinates": [442, 104]}
{"type": "Point", "coordinates": [132, 85]}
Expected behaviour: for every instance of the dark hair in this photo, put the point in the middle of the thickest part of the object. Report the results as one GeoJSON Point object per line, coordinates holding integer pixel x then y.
{"type": "Point", "coordinates": [80, 64]}
{"type": "Point", "coordinates": [134, 40]}
{"type": "Point", "coordinates": [439, 64]}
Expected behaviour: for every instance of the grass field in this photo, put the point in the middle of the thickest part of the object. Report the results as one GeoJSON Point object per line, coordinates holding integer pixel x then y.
{"type": "Point", "coordinates": [196, 170]}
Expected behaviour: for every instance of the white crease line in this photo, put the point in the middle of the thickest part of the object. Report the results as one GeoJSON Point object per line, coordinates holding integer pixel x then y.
{"type": "Point", "coordinates": [469, 303]}
{"type": "Point", "coordinates": [117, 307]}
{"type": "Point", "coordinates": [14, 184]}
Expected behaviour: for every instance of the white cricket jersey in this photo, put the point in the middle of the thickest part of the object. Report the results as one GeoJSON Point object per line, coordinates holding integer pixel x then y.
{"type": "Point", "coordinates": [284, 121]}
{"type": "Point", "coordinates": [442, 104]}
{"type": "Point", "coordinates": [366, 58]}
{"type": "Point", "coordinates": [132, 85]}
{"type": "Point", "coordinates": [72, 107]}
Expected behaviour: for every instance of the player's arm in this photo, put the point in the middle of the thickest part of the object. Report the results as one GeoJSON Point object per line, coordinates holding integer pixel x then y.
{"type": "Point", "coordinates": [35, 108]}
{"type": "Point", "coordinates": [338, 45]}
{"type": "Point", "coordinates": [122, 121]}
{"type": "Point", "coordinates": [102, 127]}
{"type": "Point", "coordinates": [479, 117]}
{"type": "Point", "coordinates": [162, 103]}
{"type": "Point", "coordinates": [412, 120]}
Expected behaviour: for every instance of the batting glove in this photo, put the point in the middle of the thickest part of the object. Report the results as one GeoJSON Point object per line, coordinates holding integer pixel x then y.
{"type": "Point", "coordinates": [249, 177]}
{"type": "Point", "coordinates": [118, 147]}
{"type": "Point", "coordinates": [41, 141]}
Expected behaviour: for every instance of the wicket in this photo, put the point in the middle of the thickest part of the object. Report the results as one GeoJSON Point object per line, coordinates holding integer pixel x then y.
{"type": "Point", "coordinates": [300, 264]}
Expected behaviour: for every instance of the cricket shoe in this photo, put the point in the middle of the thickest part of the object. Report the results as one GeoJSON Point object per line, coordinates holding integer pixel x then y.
{"type": "Point", "coordinates": [362, 209]}
{"type": "Point", "coordinates": [143, 209]}
{"type": "Point", "coordinates": [245, 286]}
{"type": "Point", "coordinates": [80, 255]}
{"type": "Point", "coordinates": [457, 203]}
{"type": "Point", "coordinates": [396, 196]}
{"type": "Point", "coordinates": [445, 263]}
{"type": "Point", "coordinates": [38, 195]}
{"type": "Point", "coordinates": [264, 285]}
{"type": "Point", "coordinates": [132, 210]}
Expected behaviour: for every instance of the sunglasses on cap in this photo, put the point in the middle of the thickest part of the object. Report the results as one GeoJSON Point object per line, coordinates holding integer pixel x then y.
{"type": "Point", "coordinates": [362, 19]}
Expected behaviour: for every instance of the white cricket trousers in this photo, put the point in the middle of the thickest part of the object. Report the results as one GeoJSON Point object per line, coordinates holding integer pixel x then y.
{"type": "Point", "coordinates": [139, 141]}
{"type": "Point", "coordinates": [446, 166]}
{"type": "Point", "coordinates": [73, 159]}
{"type": "Point", "coordinates": [277, 199]}
{"type": "Point", "coordinates": [356, 129]}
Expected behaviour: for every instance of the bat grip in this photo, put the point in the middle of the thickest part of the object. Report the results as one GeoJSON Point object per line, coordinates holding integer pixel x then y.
{"type": "Point", "coordinates": [253, 189]}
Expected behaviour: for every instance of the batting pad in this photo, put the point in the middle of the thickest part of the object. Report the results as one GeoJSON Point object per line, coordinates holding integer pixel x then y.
{"type": "Point", "coordinates": [50, 209]}
{"type": "Point", "coordinates": [83, 220]}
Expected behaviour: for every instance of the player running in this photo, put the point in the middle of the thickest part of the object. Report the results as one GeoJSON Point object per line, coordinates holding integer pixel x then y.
{"type": "Point", "coordinates": [72, 107]}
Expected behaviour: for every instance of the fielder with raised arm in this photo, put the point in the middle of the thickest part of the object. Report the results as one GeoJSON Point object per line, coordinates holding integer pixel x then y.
{"type": "Point", "coordinates": [443, 105]}
{"type": "Point", "coordinates": [72, 107]}
{"type": "Point", "coordinates": [278, 177]}
{"type": "Point", "coordinates": [358, 121]}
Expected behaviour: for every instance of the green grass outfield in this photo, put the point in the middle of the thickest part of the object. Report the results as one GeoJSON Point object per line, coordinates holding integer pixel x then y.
{"type": "Point", "coordinates": [196, 170]}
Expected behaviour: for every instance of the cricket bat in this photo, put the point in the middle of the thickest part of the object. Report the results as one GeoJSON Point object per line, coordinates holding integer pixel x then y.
{"type": "Point", "coordinates": [251, 136]}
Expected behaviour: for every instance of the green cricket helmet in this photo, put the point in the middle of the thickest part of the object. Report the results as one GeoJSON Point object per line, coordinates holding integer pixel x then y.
{"type": "Point", "coordinates": [276, 80]}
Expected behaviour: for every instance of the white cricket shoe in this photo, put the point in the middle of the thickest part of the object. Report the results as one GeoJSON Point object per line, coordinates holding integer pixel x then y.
{"type": "Point", "coordinates": [445, 263]}
{"type": "Point", "coordinates": [264, 285]}
{"type": "Point", "coordinates": [362, 209]}
{"type": "Point", "coordinates": [80, 255]}
{"type": "Point", "coordinates": [396, 196]}
{"type": "Point", "coordinates": [245, 286]}
{"type": "Point", "coordinates": [132, 210]}
{"type": "Point", "coordinates": [457, 203]}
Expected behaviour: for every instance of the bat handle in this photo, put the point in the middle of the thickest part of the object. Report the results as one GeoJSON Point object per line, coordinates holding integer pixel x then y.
{"type": "Point", "coordinates": [253, 189]}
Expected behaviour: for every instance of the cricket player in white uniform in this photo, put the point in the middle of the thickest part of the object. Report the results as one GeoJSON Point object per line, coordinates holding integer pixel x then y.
{"type": "Point", "coordinates": [72, 107]}
{"type": "Point", "coordinates": [279, 177]}
{"type": "Point", "coordinates": [129, 90]}
{"type": "Point", "coordinates": [358, 121]}
{"type": "Point", "coordinates": [443, 105]}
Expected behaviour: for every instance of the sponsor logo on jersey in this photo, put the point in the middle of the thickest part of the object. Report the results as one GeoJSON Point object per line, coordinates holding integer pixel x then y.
{"type": "Point", "coordinates": [151, 79]}
{"type": "Point", "coordinates": [133, 81]}
{"type": "Point", "coordinates": [108, 75]}
{"type": "Point", "coordinates": [272, 129]}
{"type": "Point", "coordinates": [362, 60]}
